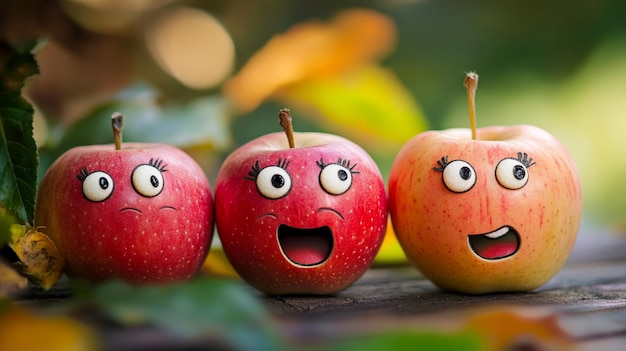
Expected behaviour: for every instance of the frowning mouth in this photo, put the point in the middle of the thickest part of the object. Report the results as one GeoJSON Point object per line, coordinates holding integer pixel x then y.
{"type": "Point", "coordinates": [498, 244]}
{"type": "Point", "coordinates": [136, 210]}
{"type": "Point", "coordinates": [130, 209]}
{"type": "Point", "coordinates": [305, 246]}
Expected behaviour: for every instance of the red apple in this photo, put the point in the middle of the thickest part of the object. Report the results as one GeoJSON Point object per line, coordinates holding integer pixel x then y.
{"type": "Point", "coordinates": [498, 212]}
{"type": "Point", "coordinates": [141, 213]}
{"type": "Point", "coordinates": [305, 219]}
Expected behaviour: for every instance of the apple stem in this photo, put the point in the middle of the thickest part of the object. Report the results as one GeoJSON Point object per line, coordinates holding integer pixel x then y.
{"type": "Point", "coordinates": [284, 118]}
{"type": "Point", "coordinates": [471, 83]}
{"type": "Point", "coordinates": [117, 121]}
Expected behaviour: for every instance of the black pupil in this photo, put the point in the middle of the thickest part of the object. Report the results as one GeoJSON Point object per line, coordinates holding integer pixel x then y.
{"type": "Point", "coordinates": [104, 183]}
{"type": "Point", "coordinates": [342, 174]}
{"type": "Point", "coordinates": [465, 173]}
{"type": "Point", "coordinates": [278, 181]}
{"type": "Point", "coordinates": [154, 181]}
{"type": "Point", "coordinates": [519, 172]}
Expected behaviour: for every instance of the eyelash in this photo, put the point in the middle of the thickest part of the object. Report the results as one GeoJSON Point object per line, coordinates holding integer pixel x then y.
{"type": "Point", "coordinates": [157, 164]}
{"type": "Point", "coordinates": [342, 162]}
{"type": "Point", "coordinates": [521, 157]}
{"type": "Point", "coordinates": [256, 169]}
{"type": "Point", "coordinates": [83, 174]}
{"type": "Point", "coordinates": [525, 160]}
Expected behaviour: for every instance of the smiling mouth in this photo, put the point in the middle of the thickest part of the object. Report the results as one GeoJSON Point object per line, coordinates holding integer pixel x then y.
{"type": "Point", "coordinates": [500, 243]}
{"type": "Point", "coordinates": [304, 246]}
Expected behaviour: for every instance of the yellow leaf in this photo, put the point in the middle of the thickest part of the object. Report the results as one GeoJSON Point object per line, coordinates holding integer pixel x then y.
{"type": "Point", "coordinates": [40, 260]}
{"type": "Point", "coordinates": [367, 104]}
{"type": "Point", "coordinates": [311, 49]}
{"type": "Point", "coordinates": [17, 231]}
{"type": "Point", "coordinates": [216, 264]}
{"type": "Point", "coordinates": [20, 329]}
{"type": "Point", "coordinates": [390, 252]}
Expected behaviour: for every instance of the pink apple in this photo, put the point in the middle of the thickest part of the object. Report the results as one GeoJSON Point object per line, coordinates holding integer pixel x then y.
{"type": "Point", "coordinates": [497, 213]}
{"type": "Point", "coordinates": [301, 220]}
{"type": "Point", "coordinates": [142, 214]}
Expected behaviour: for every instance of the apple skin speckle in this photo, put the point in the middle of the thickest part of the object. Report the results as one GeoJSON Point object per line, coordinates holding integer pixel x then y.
{"type": "Point", "coordinates": [164, 238]}
{"type": "Point", "coordinates": [248, 222]}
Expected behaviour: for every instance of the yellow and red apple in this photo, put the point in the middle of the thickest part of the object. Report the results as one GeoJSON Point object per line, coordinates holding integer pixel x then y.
{"type": "Point", "coordinates": [141, 213]}
{"type": "Point", "coordinates": [496, 212]}
{"type": "Point", "coordinates": [305, 218]}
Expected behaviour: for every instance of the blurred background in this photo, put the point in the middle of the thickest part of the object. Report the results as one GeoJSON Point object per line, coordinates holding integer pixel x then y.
{"type": "Point", "coordinates": [208, 76]}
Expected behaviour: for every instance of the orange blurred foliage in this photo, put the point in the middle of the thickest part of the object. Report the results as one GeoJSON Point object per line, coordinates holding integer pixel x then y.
{"type": "Point", "coordinates": [506, 329]}
{"type": "Point", "coordinates": [312, 49]}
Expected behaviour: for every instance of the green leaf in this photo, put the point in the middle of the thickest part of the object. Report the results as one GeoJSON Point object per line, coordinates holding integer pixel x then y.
{"type": "Point", "coordinates": [409, 341]}
{"type": "Point", "coordinates": [6, 223]}
{"type": "Point", "coordinates": [368, 104]}
{"type": "Point", "coordinates": [204, 306]}
{"type": "Point", "coordinates": [199, 122]}
{"type": "Point", "coordinates": [18, 152]}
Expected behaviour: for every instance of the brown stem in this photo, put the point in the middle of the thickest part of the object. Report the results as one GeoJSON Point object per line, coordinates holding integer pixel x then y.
{"type": "Point", "coordinates": [117, 121]}
{"type": "Point", "coordinates": [471, 83]}
{"type": "Point", "coordinates": [284, 118]}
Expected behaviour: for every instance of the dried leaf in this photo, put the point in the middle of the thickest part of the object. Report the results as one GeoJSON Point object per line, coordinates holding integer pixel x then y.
{"type": "Point", "coordinates": [10, 281]}
{"type": "Point", "coordinates": [21, 329]}
{"type": "Point", "coordinates": [40, 260]}
{"type": "Point", "coordinates": [505, 329]}
{"type": "Point", "coordinates": [312, 49]}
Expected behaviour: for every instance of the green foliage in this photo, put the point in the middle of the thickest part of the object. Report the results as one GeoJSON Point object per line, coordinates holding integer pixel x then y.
{"type": "Point", "coordinates": [225, 310]}
{"type": "Point", "coordinates": [409, 341]}
{"type": "Point", "coordinates": [6, 221]}
{"type": "Point", "coordinates": [218, 308]}
{"type": "Point", "coordinates": [198, 122]}
{"type": "Point", "coordinates": [18, 152]}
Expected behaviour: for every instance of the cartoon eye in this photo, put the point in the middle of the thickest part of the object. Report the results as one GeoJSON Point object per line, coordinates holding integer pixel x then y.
{"type": "Point", "coordinates": [147, 180]}
{"type": "Point", "coordinates": [511, 173]}
{"type": "Point", "coordinates": [459, 176]}
{"type": "Point", "coordinates": [97, 186]}
{"type": "Point", "coordinates": [335, 179]}
{"type": "Point", "coordinates": [273, 182]}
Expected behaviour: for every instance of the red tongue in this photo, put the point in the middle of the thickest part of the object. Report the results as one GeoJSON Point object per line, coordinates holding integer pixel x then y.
{"type": "Point", "coordinates": [498, 250]}
{"type": "Point", "coordinates": [306, 250]}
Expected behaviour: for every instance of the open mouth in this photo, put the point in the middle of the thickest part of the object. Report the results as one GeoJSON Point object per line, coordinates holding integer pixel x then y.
{"type": "Point", "coordinates": [305, 247]}
{"type": "Point", "coordinates": [500, 243]}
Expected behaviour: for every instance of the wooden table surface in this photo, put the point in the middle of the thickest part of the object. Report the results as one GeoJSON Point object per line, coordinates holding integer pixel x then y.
{"type": "Point", "coordinates": [586, 299]}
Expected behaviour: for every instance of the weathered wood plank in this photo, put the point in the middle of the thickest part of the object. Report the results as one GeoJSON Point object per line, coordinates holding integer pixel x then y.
{"type": "Point", "coordinates": [578, 287]}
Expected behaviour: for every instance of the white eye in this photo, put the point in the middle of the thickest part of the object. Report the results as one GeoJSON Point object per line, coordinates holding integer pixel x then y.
{"type": "Point", "coordinates": [459, 176]}
{"type": "Point", "coordinates": [273, 182]}
{"type": "Point", "coordinates": [147, 180]}
{"type": "Point", "coordinates": [335, 179]}
{"type": "Point", "coordinates": [98, 186]}
{"type": "Point", "coordinates": [511, 173]}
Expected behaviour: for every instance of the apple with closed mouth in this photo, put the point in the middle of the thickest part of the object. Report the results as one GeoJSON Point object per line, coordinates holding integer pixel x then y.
{"type": "Point", "coordinates": [141, 213]}
{"type": "Point", "coordinates": [490, 210]}
{"type": "Point", "coordinates": [302, 214]}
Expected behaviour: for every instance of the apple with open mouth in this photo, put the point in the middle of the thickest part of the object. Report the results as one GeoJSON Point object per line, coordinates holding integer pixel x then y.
{"type": "Point", "coordinates": [141, 213]}
{"type": "Point", "coordinates": [490, 210]}
{"type": "Point", "coordinates": [302, 214]}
